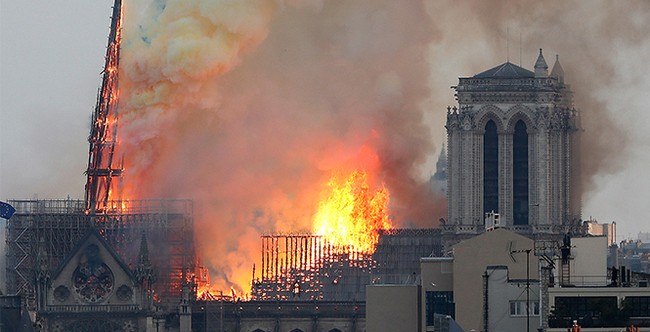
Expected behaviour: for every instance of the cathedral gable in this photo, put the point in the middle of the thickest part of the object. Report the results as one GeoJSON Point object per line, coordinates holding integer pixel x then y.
{"type": "Point", "coordinates": [93, 274]}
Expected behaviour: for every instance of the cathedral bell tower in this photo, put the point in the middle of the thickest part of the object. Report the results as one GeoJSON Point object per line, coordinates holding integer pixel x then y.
{"type": "Point", "coordinates": [512, 150]}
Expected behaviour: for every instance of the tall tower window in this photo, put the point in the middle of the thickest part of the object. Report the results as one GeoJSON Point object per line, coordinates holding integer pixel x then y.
{"type": "Point", "coordinates": [520, 174]}
{"type": "Point", "coordinates": [490, 168]}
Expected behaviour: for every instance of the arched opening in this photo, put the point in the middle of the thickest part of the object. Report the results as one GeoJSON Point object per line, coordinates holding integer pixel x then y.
{"type": "Point", "coordinates": [490, 168]}
{"type": "Point", "coordinates": [520, 174]}
{"type": "Point", "coordinates": [334, 330]}
{"type": "Point", "coordinates": [258, 330]}
{"type": "Point", "coordinates": [297, 330]}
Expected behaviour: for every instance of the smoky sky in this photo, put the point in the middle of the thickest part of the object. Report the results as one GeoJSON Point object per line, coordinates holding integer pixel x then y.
{"type": "Point", "coordinates": [253, 128]}
{"type": "Point", "coordinates": [312, 87]}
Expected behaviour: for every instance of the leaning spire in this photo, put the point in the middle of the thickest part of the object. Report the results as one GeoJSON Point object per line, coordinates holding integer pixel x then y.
{"type": "Point", "coordinates": [103, 130]}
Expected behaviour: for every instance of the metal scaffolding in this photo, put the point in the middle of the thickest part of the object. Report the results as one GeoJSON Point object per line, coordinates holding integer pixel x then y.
{"type": "Point", "coordinates": [306, 267]}
{"type": "Point", "coordinates": [57, 225]}
{"type": "Point", "coordinates": [399, 251]}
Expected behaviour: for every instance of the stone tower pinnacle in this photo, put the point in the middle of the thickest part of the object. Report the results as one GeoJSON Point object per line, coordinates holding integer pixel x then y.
{"type": "Point", "coordinates": [557, 70]}
{"type": "Point", "coordinates": [541, 68]}
{"type": "Point", "coordinates": [144, 269]}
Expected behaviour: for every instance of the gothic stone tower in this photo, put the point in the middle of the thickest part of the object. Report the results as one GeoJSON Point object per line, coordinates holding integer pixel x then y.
{"type": "Point", "coordinates": [512, 150]}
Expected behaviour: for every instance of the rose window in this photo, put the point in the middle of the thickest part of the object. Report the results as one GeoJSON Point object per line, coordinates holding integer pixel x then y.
{"type": "Point", "coordinates": [92, 280]}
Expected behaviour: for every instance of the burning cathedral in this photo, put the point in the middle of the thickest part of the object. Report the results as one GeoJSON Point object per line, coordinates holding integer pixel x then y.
{"type": "Point", "coordinates": [90, 265]}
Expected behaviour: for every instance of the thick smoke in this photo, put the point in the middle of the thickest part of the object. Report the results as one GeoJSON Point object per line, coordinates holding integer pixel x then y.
{"type": "Point", "coordinates": [248, 106]}
{"type": "Point", "coordinates": [597, 42]}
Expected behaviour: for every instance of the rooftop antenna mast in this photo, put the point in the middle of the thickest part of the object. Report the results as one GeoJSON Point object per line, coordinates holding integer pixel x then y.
{"type": "Point", "coordinates": [103, 129]}
{"type": "Point", "coordinates": [528, 308]}
{"type": "Point", "coordinates": [519, 46]}
{"type": "Point", "coordinates": [507, 44]}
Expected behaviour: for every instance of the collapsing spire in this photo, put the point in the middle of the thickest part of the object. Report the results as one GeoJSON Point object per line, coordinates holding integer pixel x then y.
{"type": "Point", "coordinates": [103, 130]}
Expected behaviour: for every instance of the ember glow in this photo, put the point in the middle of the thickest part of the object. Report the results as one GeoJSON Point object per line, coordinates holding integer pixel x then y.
{"type": "Point", "coordinates": [352, 215]}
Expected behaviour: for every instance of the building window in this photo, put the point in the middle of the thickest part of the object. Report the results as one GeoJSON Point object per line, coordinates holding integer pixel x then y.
{"type": "Point", "coordinates": [439, 303]}
{"type": "Point", "coordinates": [490, 168]}
{"type": "Point", "coordinates": [520, 174]}
{"type": "Point", "coordinates": [589, 311]}
{"type": "Point", "coordinates": [518, 308]}
{"type": "Point", "coordinates": [638, 306]}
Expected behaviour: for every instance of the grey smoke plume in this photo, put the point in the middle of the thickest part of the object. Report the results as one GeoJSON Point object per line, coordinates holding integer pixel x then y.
{"type": "Point", "coordinates": [248, 107]}
{"type": "Point", "coordinates": [598, 43]}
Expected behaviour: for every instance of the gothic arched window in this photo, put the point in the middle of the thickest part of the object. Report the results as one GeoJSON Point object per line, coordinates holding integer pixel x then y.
{"type": "Point", "coordinates": [520, 174]}
{"type": "Point", "coordinates": [490, 168]}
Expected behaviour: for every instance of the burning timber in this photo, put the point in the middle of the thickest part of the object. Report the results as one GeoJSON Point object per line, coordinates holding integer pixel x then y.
{"type": "Point", "coordinates": [55, 226]}
{"type": "Point", "coordinates": [308, 267]}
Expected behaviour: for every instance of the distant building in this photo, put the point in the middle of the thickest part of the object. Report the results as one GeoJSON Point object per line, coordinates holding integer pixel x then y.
{"type": "Point", "coordinates": [509, 303]}
{"type": "Point", "coordinates": [644, 237]}
{"type": "Point", "coordinates": [512, 150]}
{"type": "Point", "coordinates": [596, 229]}
{"type": "Point", "coordinates": [502, 281]}
{"type": "Point", "coordinates": [454, 286]}
{"type": "Point", "coordinates": [634, 255]}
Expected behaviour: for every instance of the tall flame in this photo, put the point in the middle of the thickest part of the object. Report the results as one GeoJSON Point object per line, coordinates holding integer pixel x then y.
{"type": "Point", "coordinates": [352, 215]}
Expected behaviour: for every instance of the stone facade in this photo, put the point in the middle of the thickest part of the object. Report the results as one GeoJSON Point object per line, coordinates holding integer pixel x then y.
{"type": "Point", "coordinates": [512, 149]}
{"type": "Point", "coordinates": [285, 315]}
{"type": "Point", "coordinates": [94, 290]}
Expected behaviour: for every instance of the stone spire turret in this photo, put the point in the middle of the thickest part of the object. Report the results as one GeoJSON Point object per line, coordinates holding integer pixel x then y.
{"type": "Point", "coordinates": [557, 70]}
{"type": "Point", "coordinates": [144, 273]}
{"type": "Point", "coordinates": [144, 269]}
{"type": "Point", "coordinates": [42, 275]}
{"type": "Point", "coordinates": [541, 68]}
{"type": "Point", "coordinates": [42, 268]}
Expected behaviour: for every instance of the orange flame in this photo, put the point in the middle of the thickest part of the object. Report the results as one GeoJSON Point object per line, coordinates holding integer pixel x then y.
{"type": "Point", "coordinates": [352, 215]}
{"type": "Point", "coordinates": [207, 293]}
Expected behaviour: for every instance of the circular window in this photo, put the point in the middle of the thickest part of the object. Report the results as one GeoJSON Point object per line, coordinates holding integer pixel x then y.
{"type": "Point", "coordinates": [61, 293]}
{"type": "Point", "coordinates": [124, 292]}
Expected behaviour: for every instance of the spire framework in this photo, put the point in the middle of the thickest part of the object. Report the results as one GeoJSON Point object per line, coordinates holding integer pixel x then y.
{"type": "Point", "coordinates": [103, 131]}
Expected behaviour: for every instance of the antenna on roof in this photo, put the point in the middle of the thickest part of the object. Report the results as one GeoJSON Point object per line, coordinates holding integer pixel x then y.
{"type": "Point", "coordinates": [507, 44]}
{"type": "Point", "coordinates": [519, 47]}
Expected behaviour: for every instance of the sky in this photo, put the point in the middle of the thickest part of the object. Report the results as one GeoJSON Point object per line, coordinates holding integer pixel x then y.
{"type": "Point", "coordinates": [51, 58]}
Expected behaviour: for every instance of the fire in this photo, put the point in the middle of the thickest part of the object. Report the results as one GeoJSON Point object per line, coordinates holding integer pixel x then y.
{"type": "Point", "coordinates": [207, 293]}
{"type": "Point", "coordinates": [352, 215]}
